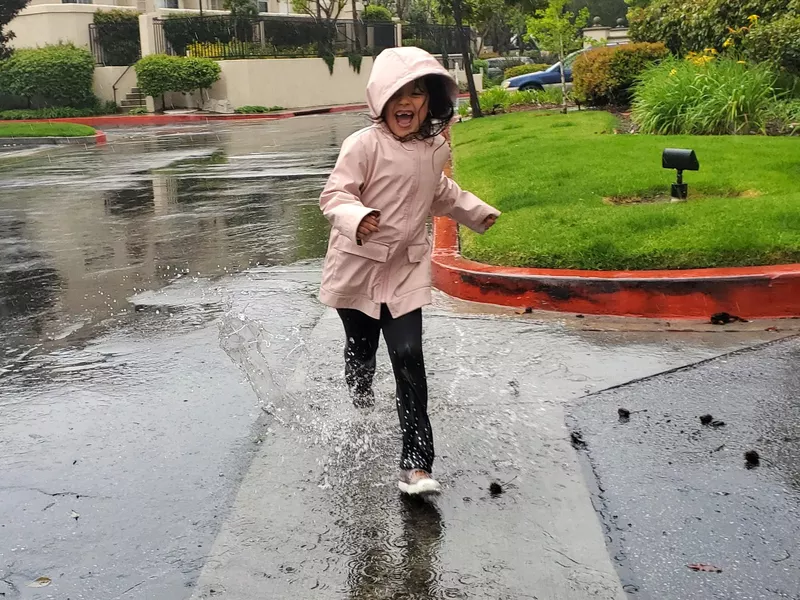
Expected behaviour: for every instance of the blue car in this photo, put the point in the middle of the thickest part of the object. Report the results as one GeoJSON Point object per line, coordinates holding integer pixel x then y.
{"type": "Point", "coordinates": [543, 79]}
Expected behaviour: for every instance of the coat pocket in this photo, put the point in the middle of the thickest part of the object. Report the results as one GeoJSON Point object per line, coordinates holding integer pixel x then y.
{"type": "Point", "coordinates": [371, 250]}
{"type": "Point", "coordinates": [417, 252]}
{"type": "Point", "coordinates": [416, 273]}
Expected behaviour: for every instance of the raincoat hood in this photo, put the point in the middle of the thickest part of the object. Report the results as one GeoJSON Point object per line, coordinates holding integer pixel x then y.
{"type": "Point", "coordinates": [395, 67]}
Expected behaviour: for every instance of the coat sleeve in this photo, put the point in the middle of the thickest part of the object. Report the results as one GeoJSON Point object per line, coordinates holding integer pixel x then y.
{"type": "Point", "coordinates": [340, 200]}
{"type": "Point", "coordinates": [466, 208]}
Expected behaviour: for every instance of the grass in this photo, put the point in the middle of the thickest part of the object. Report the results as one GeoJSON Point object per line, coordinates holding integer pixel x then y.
{"type": "Point", "coordinates": [18, 130]}
{"type": "Point", "coordinates": [550, 173]}
{"type": "Point", "coordinates": [250, 109]}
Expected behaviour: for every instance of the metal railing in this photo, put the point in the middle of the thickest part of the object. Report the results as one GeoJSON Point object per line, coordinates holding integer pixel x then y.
{"type": "Point", "coordinates": [115, 44]}
{"type": "Point", "coordinates": [436, 39]}
{"type": "Point", "coordinates": [224, 37]}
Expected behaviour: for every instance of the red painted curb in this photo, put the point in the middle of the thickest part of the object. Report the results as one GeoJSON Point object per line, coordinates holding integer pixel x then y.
{"type": "Point", "coordinates": [149, 120]}
{"type": "Point", "coordinates": [749, 292]}
{"type": "Point", "coordinates": [100, 137]}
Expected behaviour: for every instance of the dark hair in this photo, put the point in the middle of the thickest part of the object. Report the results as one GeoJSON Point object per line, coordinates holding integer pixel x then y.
{"type": "Point", "coordinates": [440, 107]}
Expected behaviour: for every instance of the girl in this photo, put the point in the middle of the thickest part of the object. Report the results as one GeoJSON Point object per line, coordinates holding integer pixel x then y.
{"type": "Point", "coordinates": [387, 181]}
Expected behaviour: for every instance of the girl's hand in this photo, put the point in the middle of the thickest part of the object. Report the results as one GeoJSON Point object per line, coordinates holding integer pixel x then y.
{"type": "Point", "coordinates": [489, 221]}
{"type": "Point", "coordinates": [369, 225]}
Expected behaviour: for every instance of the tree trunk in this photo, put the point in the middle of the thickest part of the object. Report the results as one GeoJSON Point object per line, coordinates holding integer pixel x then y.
{"type": "Point", "coordinates": [465, 54]}
{"type": "Point", "coordinates": [563, 82]}
{"type": "Point", "coordinates": [356, 27]}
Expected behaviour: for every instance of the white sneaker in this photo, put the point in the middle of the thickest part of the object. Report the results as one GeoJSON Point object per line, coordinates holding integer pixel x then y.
{"type": "Point", "coordinates": [417, 481]}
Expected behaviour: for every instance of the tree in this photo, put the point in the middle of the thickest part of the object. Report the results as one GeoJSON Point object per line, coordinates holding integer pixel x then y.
{"type": "Point", "coordinates": [241, 8]}
{"type": "Point", "coordinates": [421, 11]}
{"type": "Point", "coordinates": [9, 9]}
{"type": "Point", "coordinates": [461, 11]}
{"type": "Point", "coordinates": [608, 10]}
{"type": "Point", "coordinates": [497, 21]}
{"type": "Point", "coordinates": [400, 8]}
{"type": "Point", "coordinates": [557, 30]}
{"type": "Point", "coordinates": [328, 10]}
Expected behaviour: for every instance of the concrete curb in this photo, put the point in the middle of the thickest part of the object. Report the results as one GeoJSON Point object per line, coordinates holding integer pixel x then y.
{"type": "Point", "coordinates": [107, 121]}
{"type": "Point", "coordinates": [750, 292]}
{"type": "Point", "coordinates": [98, 138]}
{"type": "Point", "coordinates": [152, 119]}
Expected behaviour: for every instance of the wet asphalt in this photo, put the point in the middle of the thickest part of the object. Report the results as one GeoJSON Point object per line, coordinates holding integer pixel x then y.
{"type": "Point", "coordinates": [173, 422]}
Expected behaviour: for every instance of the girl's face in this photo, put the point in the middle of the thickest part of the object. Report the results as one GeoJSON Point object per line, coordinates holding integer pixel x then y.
{"type": "Point", "coordinates": [407, 109]}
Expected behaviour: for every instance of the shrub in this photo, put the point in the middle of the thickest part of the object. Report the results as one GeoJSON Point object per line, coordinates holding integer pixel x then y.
{"type": "Point", "coordinates": [375, 12]}
{"type": "Point", "coordinates": [118, 34]}
{"type": "Point", "coordinates": [606, 75]}
{"type": "Point", "coordinates": [60, 112]}
{"type": "Point", "coordinates": [693, 25]}
{"type": "Point", "coordinates": [523, 70]}
{"type": "Point", "coordinates": [181, 31]}
{"type": "Point", "coordinates": [198, 73]}
{"type": "Point", "coordinates": [138, 110]}
{"type": "Point", "coordinates": [424, 44]}
{"type": "Point", "coordinates": [495, 100]}
{"type": "Point", "coordinates": [783, 117]}
{"type": "Point", "coordinates": [248, 110]}
{"type": "Point", "coordinates": [548, 97]}
{"type": "Point", "coordinates": [777, 42]}
{"type": "Point", "coordinates": [60, 74]}
{"type": "Point", "coordinates": [722, 96]}
{"type": "Point", "coordinates": [159, 73]}
{"type": "Point", "coordinates": [479, 64]}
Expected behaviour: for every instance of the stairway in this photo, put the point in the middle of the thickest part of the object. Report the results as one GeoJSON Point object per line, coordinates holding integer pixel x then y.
{"type": "Point", "coordinates": [134, 99]}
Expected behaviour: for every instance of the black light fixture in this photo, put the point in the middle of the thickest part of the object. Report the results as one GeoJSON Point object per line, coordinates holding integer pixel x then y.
{"type": "Point", "coordinates": [681, 160]}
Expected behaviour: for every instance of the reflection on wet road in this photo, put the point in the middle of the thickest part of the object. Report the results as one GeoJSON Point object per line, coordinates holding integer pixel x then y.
{"type": "Point", "coordinates": [83, 230]}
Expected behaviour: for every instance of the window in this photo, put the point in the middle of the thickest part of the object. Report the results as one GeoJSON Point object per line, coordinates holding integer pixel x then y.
{"type": "Point", "coordinates": [263, 6]}
{"type": "Point", "coordinates": [170, 3]}
{"type": "Point", "coordinates": [76, 1]}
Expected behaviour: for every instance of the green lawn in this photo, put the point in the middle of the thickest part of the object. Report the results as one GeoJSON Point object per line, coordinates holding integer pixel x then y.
{"type": "Point", "coordinates": [44, 130]}
{"type": "Point", "coordinates": [550, 173]}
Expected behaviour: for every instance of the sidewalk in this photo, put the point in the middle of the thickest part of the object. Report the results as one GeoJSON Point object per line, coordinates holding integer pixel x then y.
{"type": "Point", "coordinates": [318, 514]}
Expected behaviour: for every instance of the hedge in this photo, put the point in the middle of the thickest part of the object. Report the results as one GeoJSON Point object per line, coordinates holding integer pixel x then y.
{"type": "Point", "coordinates": [376, 13]}
{"type": "Point", "coordinates": [524, 70]}
{"type": "Point", "coordinates": [118, 34]}
{"type": "Point", "coordinates": [158, 74]}
{"type": "Point", "coordinates": [61, 75]}
{"type": "Point", "coordinates": [59, 112]}
{"type": "Point", "coordinates": [606, 75]}
{"type": "Point", "coordinates": [694, 25]}
{"type": "Point", "coordinates": [777, 42]}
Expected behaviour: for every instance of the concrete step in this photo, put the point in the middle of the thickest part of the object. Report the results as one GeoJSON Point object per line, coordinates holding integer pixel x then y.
{"type": "Point", "coordinates": [131, 103]}
{"type": "Point", "coordinates": [134, 96]}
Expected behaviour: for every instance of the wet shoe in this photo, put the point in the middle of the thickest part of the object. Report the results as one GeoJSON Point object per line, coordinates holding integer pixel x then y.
{"type": "Point", "coordinates": [417, 481]}
{"type": "Point", "coordinates": [363, 399]}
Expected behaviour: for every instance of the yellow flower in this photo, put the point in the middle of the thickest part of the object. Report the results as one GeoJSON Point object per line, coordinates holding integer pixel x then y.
{"type": "Point", "coordinates": [728, 43]}
{"type": "Point", "coordinates": [673, 72]}
{"type": "Point", "coordinates": [741, 62]}
{"type": "Point", "coordinates": [753, 19]}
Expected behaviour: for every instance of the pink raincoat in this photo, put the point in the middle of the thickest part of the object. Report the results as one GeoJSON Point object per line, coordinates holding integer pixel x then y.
{"type": "Point", "coordinates": [404, 182]}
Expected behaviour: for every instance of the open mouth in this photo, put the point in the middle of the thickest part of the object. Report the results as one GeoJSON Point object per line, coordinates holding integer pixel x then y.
{"type": "Point", "coordinates": [404, 118]}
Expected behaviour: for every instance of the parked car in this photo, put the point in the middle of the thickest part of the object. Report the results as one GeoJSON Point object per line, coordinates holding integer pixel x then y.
{"type": "Point", "coordinates": [548, 78]}
{"type": "Point", "coordinates": [497, 66]}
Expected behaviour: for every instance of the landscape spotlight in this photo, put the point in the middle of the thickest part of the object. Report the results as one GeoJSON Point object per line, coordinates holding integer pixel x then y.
{"type": "Point", "coordinates": [681, 160]}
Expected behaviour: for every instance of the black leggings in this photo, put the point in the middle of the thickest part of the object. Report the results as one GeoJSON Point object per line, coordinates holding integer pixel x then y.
{"type": "Point", "coordinates": [404, 340]}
